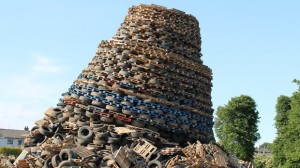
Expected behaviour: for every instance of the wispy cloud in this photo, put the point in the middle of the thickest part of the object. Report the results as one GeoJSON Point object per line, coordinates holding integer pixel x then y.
{"type": "Point", "coordinates": [27, 93]}
{"type": "Point", "coordinates": [45, 65]}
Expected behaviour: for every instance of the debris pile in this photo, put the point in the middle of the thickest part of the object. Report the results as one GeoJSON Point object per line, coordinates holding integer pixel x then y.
{"type": "Point", "coordinates": [143, 101]}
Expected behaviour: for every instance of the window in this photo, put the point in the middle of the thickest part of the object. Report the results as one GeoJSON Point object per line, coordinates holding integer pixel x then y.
{"type": "Point", "coordinates": [20, 141]}
{"type": "Point", "coordinates": [10, 141]}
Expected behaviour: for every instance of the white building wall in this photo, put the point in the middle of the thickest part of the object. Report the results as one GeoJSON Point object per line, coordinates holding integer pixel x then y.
{"type": "Point", "coordinates": [3, 142]}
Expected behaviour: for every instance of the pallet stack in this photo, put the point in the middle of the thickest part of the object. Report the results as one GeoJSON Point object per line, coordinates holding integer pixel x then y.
{"type": "Point", "coordinates": [147, 85]}
{"type": "Point", "coordinates": [153, 64]}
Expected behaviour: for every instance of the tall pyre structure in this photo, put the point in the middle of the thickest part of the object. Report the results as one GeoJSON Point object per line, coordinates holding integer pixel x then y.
{"type": "Point", "coordinates": [145, 89]}
{"type": "Point", "coordinates": [151, 72]}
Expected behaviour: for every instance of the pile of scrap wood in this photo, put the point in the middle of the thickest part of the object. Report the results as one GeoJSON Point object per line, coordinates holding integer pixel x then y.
{"type": "Point", "coordinates": [143, 101]}
{"type": "Point", "coordinates": [142, 153]}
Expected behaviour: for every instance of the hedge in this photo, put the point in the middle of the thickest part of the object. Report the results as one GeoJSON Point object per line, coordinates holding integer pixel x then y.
{"type": "Point", "coordinates": [10, 151]}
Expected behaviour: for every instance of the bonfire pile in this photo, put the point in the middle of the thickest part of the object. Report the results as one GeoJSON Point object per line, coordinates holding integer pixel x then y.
{"type": "Point", "coordinates": [143, 100]}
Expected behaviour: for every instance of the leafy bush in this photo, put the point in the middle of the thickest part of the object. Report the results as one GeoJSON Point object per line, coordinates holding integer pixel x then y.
{"type": "Point", "coordinates": [10, 151]}
{"type": "Point", "coordinates": [263, 161]}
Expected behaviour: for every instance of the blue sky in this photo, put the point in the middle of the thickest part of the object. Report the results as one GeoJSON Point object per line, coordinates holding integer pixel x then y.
{"type": "Point", "coordinates": [252, 47]}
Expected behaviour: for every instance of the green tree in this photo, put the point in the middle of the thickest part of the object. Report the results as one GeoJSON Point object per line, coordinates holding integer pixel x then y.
{"type": "Point", "coordinates": [236, 126]}
{"type": "Point", "coordinates": [292, 133]}
{"type": "Point", "coordinates": [263, 161]}
{"type": "Point", "coordinates": [265, 145]}
{"type": "Point", "coordinates": [283, 107]}
{"type": "Point", "coordinates": [298, 83]}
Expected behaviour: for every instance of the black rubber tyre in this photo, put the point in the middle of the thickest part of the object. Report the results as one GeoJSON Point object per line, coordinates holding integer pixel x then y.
{"type": "Point", "coordinates": [109, 69]}
{"type": "Point", "coordinates": [98, 67]}
{"type": "Point", "coordinates": [128, 112]}
{"type": "Point", "coordinates": [96, 124]}
{"type": "Point", "coordinates": [117, 50]}
{"type": "Point", "coordinates": [120, 122]}
{"type": "Point", "coordinates": [100, 135]}
{"type": "Point", "coordinates": [35, 131]}
{"type": "Point", "coordinates": [84, 100]}
{"type": "Point", "coordinates": [82, 123]}
{"type": "Point", "coordinates": [156, 156]}
{"type": "Point", "coordinates": [34, 128]}
{"type": "Point", "coordinates": [126, 51]}
{"type": "Point", "coordinates": [152, 128]}
{"type": "Point", "coordinates": [107, 161]}
{"type": "Point", "coordinates": [46, 131]}
{"type": "Point", "coordinates": [70, 108]}
{"type": "Point", "coordinates": [113, 108]}
{"type": "Point", "coordinates": [78, 110]}
{"type": "Point", "coordinates": [65, 163]}
{"type": "Point", "coordinates": [184, 126]}
{"type": "Point", "coordinates": [133, 144]}
{"type": "Point", "coordinates": [172, 124]}
{"type": "Point", "coordinates": [45, 153]}
{"type": "Point", "coordinates": [55, 160]}
{"type": "Point", "coordinates": [59, 136]}
{"type": "Point", "coordinates": [107, 119]}
{"type": "Point", "coordinates": [112, 140]}
{"type": "Point", "coordinates": [85, 132]}
{"type": "Point", "coordinates": [90, 114]}
{"type": "Point", "coordinates": [55, 111]}
{"type": "Point", "coordinates": [159, 120]}
{"type": "Point", "coordinates": [99, 141]}
{"type": "Point", "coordinates": [114, 134]}
{"type": "Point", "coordinates": [62, 119]}
{"type": "Point", "coordinates": [59, 115]}
{"type": "Point", "coordinates": [47, 163]}
{"type": "Point", "coordinates": [145, 116]}
{"type": "Point", "coordinates": [97, 103]}
{"type": "Point", "coordinates": [75, 96]}
{"type": "Point", "coordinates": [137, 124]}
{"type": "Point", "coordinates": [154, 164]}
{"type": "Point", "coordinates": [82, 142]}
{"type": "Point", "coordinates": [67, 154]}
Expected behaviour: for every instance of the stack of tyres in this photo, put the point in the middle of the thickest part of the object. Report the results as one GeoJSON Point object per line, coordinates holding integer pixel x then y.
{"type": "Point", "coordinates": [148, 81]}
{"type": "Point", "coordinates": [153, 64]}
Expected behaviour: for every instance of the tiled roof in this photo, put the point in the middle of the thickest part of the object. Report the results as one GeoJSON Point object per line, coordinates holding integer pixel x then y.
{"type": "Point", "coordinates": [12, 133]}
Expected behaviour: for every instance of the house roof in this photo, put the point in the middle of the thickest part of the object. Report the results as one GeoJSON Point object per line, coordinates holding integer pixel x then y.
{"type": "Point", "coordinates": [12, 133]}
{"type": "Point", "coordinates": [262, 150]}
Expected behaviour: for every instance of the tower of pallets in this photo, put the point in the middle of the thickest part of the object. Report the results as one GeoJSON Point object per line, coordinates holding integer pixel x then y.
{"type": "Point", "coordinates": [151, 72]}
{"type": "Point", "coordinates": [146, 85]}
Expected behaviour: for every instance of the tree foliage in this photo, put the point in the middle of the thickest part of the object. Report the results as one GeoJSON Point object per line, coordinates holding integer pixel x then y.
{"type": "Point", "coordinates": [265, 145]}
{"type": "Point", "coordinates": [298, 83]}
{"type": "Point", "coordinates": [292, 133]}
{"type": "Point", "coordinates": [7, 151]}
{"type": "Point", "coordinates": [283, 107]}
{"type": "Point", "coordinates": [278, 153]}
{"type": "Point", "coordinates": [286, 146]}
{"type": "Point", "coordinates": [236, 126]}
{"type": "Point", "coordinates": [263, 161]}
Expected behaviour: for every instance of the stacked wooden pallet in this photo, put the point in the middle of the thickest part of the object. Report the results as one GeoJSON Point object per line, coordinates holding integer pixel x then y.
{"type": "Point", "coordinates": [144, 90]}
